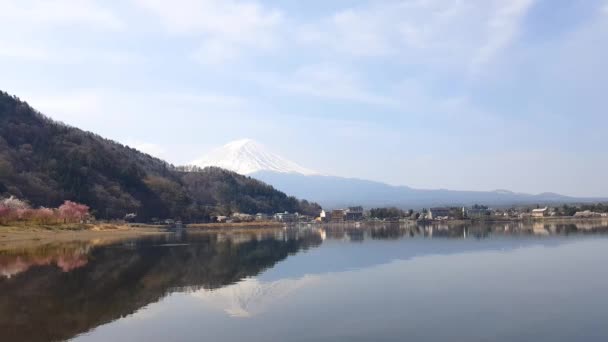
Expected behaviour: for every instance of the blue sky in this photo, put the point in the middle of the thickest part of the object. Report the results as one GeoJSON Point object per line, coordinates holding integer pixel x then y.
{"type": "Point", "coordinates": [458, 94]}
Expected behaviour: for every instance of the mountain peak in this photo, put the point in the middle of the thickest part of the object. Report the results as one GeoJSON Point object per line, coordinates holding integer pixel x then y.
{"type": "Point", "coordinates": [246, 156]}
{"type": "Point", "coordinates": [241, 143]}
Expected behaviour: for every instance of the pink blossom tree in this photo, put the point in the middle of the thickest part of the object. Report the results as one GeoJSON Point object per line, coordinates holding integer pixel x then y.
{"type": "Point", "coordinates": [12, 209]}
{"type": "Point", "coordinates": [44, 216]}
{"type": "Point", "coordinates": [72, 212]}
{"type": "Point", "coordinates": [5, 213]}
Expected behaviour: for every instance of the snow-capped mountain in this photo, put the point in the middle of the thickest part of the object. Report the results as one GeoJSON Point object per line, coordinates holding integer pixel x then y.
{"type": "Point", "coordinates": [246, 156]}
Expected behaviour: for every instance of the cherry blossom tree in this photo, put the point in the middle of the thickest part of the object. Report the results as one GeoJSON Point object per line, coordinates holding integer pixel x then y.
{"type": "Point", "coordinates": [5, 213]}
{"type": "Point", "coordinates": [72, 212]}
{"type": "Point", "coordinates": [44, 215]}
{"type": "Point", "coordinates": [15, 210]}
{"type": "Point", "coordinates": [14, 203]}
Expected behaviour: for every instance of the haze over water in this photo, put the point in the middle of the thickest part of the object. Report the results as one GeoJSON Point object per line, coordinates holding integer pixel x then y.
{"type": "Point", "coordinates": [508, 282]}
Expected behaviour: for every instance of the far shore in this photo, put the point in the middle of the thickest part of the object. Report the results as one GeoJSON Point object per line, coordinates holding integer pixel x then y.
{"type": "Point", "coordinates": [552, 219]}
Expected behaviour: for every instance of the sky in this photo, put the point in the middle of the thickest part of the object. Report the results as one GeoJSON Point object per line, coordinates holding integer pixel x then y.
{"type": "Point", "coordinates": [453, 94]}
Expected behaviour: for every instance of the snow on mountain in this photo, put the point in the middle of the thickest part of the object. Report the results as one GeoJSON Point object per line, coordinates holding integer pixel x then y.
{"type": "Point", "coordinates": [246, 156]}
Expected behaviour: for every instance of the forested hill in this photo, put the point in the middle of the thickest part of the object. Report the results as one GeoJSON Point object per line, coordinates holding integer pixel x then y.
{"type": "Point", "coordinates": [46, 162]}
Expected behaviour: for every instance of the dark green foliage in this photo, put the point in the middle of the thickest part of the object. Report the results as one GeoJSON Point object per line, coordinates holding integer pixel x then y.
{"type": "Point", "coordinates": [234, 192]}
{"type": "Point", "coordinates": [46, 162]}
{"type": "Point", "coordinates": [570, 210]}
{"type": "Point", "coordinates": [598, 208]}
{"type": "Point", "coordinates": [387, 213]}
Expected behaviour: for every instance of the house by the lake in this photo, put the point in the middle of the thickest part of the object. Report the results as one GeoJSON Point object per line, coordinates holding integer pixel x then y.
{"type": "Point", "coordinates": [354, 213]}
{"type": "Point", "coordinates": [540, 212]}
{"type": "Point", "coordinates": [477, 212]}
{"type": "Point", "coordinates": [285, 217]}
{"type": "Point", "coordinates": [261, 217]}
{"type": "Point", "coordinates": [438, 213]}
{"type": "Point", "coordinates": [338, 215]}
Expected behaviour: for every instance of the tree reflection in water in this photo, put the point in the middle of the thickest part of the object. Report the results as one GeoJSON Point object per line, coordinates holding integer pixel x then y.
{"type": "Point", "coordinates": [57, 292]}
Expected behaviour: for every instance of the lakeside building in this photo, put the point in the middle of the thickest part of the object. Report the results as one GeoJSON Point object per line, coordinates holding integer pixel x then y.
{"type": "Point", "coordinates": [285, 217]}
{"type": "Point", "coordinates": [304, 218]}
{"type": "Point", "coordinates": [354, 213]}
{"type": "Point", "coordinates": [324, 216]}
{"type": "Point", "coordinates": [338, 215]}
{"type": "Point", "coordinates": [261, 217]}
{"type": "Point", "coordinates": [240, 217]}
{"type": "Point", "coordinates": [477, 212]}
{"type": "Point", "coordinates": [439, 213]}
{"type": "Point", "coordinates": [540, 212]}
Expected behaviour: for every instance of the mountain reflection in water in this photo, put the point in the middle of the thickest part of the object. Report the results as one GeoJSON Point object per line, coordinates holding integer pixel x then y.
{"type": "Point", "coordinates": [58, 291]}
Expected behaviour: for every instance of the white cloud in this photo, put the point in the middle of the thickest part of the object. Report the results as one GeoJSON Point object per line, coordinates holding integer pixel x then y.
{"type": "Point", "coordinates": [429, 32]}
{"type": "Point", "coordinates": [359, 33]}
{"type": "Point", "coordinates": [325, 81]}
{"type": "Point", "coordinates": [31, 50]}
{"type": "Point", "coordinates": [51, 31]}
{"type": "Point", "coordinates": [226, 27]}
{"type": "Point", "coordinates": [33, 14]}
{"type": "Point", "coordinates": [412, 97]}
{"type": "Point", "coordinates": [502, 28]}
{"type": "Point", "coordinates": [18, 50]}
{"type": "Point", "coordinates": [203, 99]}
{"type": "Point", "coordinates": [215, 52]}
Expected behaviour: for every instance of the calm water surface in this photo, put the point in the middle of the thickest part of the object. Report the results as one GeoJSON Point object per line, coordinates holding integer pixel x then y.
{"type": "Point", "coordinates": [507, 282]}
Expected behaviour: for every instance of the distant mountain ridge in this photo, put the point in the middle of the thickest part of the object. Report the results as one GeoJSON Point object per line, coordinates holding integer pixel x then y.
{"type": "Point", "coordinates": [338, 192]}
{"type": "Point", "coordinates": [248, 157]}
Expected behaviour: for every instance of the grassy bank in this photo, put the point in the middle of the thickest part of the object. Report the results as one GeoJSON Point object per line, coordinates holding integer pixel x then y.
{"type": "Point", "coordinates": [28, 234]}
{"type": "Point", "coordinates": [16, 235]}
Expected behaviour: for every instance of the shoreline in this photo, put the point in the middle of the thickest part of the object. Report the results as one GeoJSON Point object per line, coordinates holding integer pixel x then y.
{"type": "Point", "coordinates": [28, 235]}
{"type": "Point", "coordinates": [230, 226]}
{"type": "Point", "coordinates": [24, 234]}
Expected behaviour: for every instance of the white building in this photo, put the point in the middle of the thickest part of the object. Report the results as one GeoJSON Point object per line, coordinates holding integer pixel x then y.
{"type": "Point", "coordinates": [540, 212]}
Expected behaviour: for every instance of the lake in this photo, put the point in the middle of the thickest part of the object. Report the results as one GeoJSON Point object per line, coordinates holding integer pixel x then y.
{"type": "Point", "coordinates": [484, 282]}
